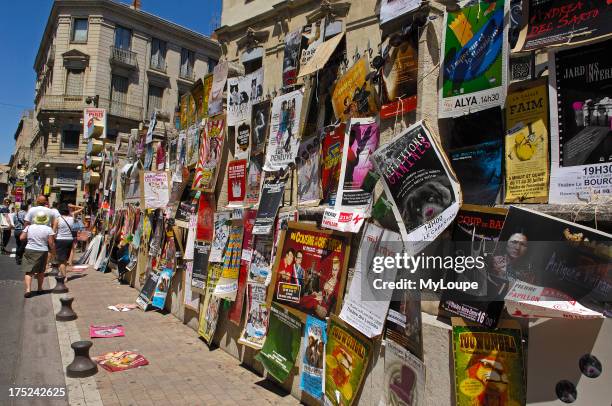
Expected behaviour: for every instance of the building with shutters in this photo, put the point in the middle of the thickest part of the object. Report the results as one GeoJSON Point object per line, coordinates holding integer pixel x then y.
{"type": "Point", "coordinates": [115, 56]}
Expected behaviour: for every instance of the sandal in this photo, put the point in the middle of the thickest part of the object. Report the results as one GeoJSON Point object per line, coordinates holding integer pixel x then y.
{"type": "Point", "coordinates": [27, 295]}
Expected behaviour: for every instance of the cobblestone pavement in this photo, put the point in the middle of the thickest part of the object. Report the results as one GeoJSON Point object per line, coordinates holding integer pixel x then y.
{"type": "Point", "coordinates": [182, 370]}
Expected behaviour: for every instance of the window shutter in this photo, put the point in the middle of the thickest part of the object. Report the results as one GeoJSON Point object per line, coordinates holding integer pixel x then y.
{"type": "Point", "coordinates": [74, 82]}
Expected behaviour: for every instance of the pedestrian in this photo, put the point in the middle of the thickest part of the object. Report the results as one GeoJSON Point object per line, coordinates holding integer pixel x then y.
{"type": "Point", "coordinates": [65, 236]}
{"type": "Point", "coordinates": [41, 204]}
{"type": "Point", "coordinates": [40, 242]}
{"type": "Point", "coordinates": [18, 226]}
{"type": "Point", "coordinates": [5, 223]}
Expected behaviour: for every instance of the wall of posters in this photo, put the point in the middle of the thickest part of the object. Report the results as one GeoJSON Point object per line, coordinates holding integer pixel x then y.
{"type": "Point", "coordinates": [236, 182]}
{"type": "Point", "coordinates": [280, 350]}
{"type": "Point", "coordinates": [310, 270]}
{"type": "Point", "coordinates": [272, 192]}
{"type": "Point", "coordinates": [479, 168]}
{"type": "Point", "coordinates": [256, 325]}
{"type": "Point", "coordinates": [526, 138]}
{"type": "Point", "coordinates": [404, 381]}
{"type": "Point", "coordinates": [201, 253]}
{"type": "Point", "coordinates": [162, 288]}
{"type": "Point", "coordinates": [474, 59]}
{"type": "Point", "coordinates": [191, 299]}
{"type": "Point", "coordinates": [221, 234]}
{"type": "Point", "coordinates": [283, 140]}
{"type": "Point", "coordinates": [242, 93]}
{"type": "Point", "coordinates": [581, 160]}
{"type": "Point", "coordinates": [156, 189]}
{"type": "Point", "coordinates": [347, 355]}
{"type": "Point", "coordinates": [206, 217]}
{"type": "Point", "coordinates": [94, 123]}
{"type": "Point", "coordinates": [215, 100]}
{"type": "Point", "coordinates": [227, 286]}
{"type": "Point", "coordinates": [291, 57]}
{"type": "Point", "coordinates": [313, 357]}
{"type": "Point", "coordinates": [209, 314]}
{"type": "Point", "coordinates": [331, 161]}
{"type": "Point", "coordinates": [210, 154]}
{"type": "Point", "coordinates": [308, 167]}
{"type": "Point", "coordinates": [353, 96]}
{"type": "Point", "coordinates": [391, 9]}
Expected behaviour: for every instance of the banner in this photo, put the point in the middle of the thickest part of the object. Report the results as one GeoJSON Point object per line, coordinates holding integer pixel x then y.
{"type": "Point", "coordinates": [391, 9]}
{"type": "Point", "coordinates": [221, 235]}
{"type": "Point", "coordinates": [215, 100]}
{"type": "Point", "coordinates": [308, 167]}
{"type": "Point", "coordinates": [227, 286]}
{"type": "Point", "coordinates": [242, 93]}
{"type": "Point", "coordinates": [236, 183]}
{"type": "Point", "coordinates": [94, 123]}
{"type": "Point", "coordinates": [291, 57]}
{"type": "Point", "coordinates": [156, 189]}
{"type": "Point", "coordinates": [526, 160]}
{"type": "Point", "coordinates": [581, 160]}
{"type": "Point", "coordinates": [283, 140]}
{"type": "Point", "coordinates": [272, 192]}
{"type": "Point", "coordinates": [201, 253]}
{"type": "Point", "coordinates": [479, 169]}
{"type": "Point", "coordinates": [280, 350]}
{"type": "Point", "coordinates": [474, 58]}
{"type": "Point", "coordinates": [162, 288]}
{"type": "Point", "coordinates": [191, 299]}
{"type": "Point", "coordinates": [209, 314]}
{"type": "Point", "coordinates": [353, 95]}
{"type": "Point", "coordinates": [404, 382]}
{"type": "Point", "coordinates": [313, 357]}
{"type": "Point", "coordinates": [331, 162]}
{"type": "Point", "coordinates": [210, 154]}
{"type": "Point", "coordinates": [254, 333]}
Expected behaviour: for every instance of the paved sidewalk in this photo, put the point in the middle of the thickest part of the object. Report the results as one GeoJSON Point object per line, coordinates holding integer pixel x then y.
{"type": "Point", "coordinates": [182, 370]}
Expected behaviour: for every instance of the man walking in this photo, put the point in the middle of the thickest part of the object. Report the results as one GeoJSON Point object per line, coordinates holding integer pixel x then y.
{"type": "Point", "coordinates": [41, 204]}
{"type": "Point", "coordinates": [19, 225]}
{"type": "Point", "coordinates": [40, 241]}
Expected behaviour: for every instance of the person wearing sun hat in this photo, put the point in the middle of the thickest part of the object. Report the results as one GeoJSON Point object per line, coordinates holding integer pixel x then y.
{"type": "Point", "coordinates": [40, 241]}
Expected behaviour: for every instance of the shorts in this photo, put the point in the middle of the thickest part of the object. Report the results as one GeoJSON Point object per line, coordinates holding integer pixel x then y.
{"type": "Point", "coordinates": [34, 261]}
{"type": "Point", "coordinates": [62, 250]}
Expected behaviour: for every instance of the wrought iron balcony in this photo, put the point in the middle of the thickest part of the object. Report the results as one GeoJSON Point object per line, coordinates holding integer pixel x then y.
{"type": "Point", "coordinates": [124, 57]}
{"type": "Point", "coordinates": [120, 109]}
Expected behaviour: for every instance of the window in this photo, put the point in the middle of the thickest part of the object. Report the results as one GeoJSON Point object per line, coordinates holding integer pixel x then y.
{"type": "Point", "coordinates": [79, 30]}
{"type": "Point", "coordinates": [123, 38]}
{"type": "Point", "coordinates": [187, 59]}
{"type": "Point", "coordinates": [70, 139]}
{"type": "Point", "coordinates": [158, 54]}
{"type": "Point", "coordinates": [154, 101]}
{"type": "Point", "coordinates": [252, 59]}
{"type": "Point", "coordinates": [74, 82]}
{"type": "Point", "coordinates": [119, 89]}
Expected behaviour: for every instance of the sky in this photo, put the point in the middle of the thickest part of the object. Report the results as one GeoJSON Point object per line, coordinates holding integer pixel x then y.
{"type": "Point", "coordinates": [21, 26]}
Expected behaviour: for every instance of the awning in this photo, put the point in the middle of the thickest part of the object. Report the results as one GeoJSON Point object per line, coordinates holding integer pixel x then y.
{"type": "Point", "coordinates": [321, 56]}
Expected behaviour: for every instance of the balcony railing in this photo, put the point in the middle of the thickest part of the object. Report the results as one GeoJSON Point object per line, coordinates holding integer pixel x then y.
{"type": "Point", "coordinates": [124, 110]}
{"type": "Point", "coordinates": [123, 57]}
{"type": "Point", "coordinates": [63, 102]}
{"type": "Point", "coordinates": [186, 72]}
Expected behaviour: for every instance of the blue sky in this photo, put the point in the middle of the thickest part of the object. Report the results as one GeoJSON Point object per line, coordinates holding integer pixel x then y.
{"type": "Point", "coordinates": [21, 27]}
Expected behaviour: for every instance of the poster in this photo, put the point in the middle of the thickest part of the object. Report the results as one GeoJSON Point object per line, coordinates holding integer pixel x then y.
{"type": "Point", "coordinates": [479, 170]}
{"type": "Point", "coordinates": [399, 74]}
{"type": "Point", "coordinates": [235, 312]}
{"type": "Point", "coordinates": [364, 307]}
{"type": "Point", "coordinates": [191, 299]}
{"type": "Point", "coordinates": [227, 286]}
{"type": "Point", "coordinates": [282, 222]}
{"type": "Point", "coordinates": [197, 92]}
{"type": "Point", "coordinates": [347, 354]}
{"type": "Point", "coordinates": [313, 357]}
{"type": "Point", "coordinates": [308, 167]}
{"type": "Point", "coordinates": [210, 155]}
{"type": "Point", "coordinates": [221, 234]}
{"type": "Point", "coordinates": [206, 213]}
{"type": "Point", "coordinates": [253, 180]}
{"type": "Point", "coordinates": [162, 288]}
{"type": "Point", "coordinates": [526, 160]}
{"type": "Point", "coordinates": [242, 140]}
{"type": "Point", "coordinates": [474, 58]}
{"type": "Point", "coordinates": [120, 360]}
{"type": "Point", "coordinates": [488, 365]}
{"type": "Point", "coordinates": [254, 333]}
{"type": "Point", "coordinates": [236, 182]}
{"type": "Point", "coordinates": [581, 160]}
{"type": "Point", "coordinates": [242, 93]}
{"type": "Point", "coordinates": [183, 111]}
{"type": "Point", "coordinates": [280, 350]}
{"type": "Point", "coordinates": [391, 9]}
{"type": "Point", "coordinates": [106, 331]}
{"type": "Point", "coordinates": [261, 267]}
{"type": "Point", "coordinates": [209, 314]}
{"type": "Point", "coordinates": [419, 182]}
{"type": "Point", "coordinates": [309, 270]}
{"type": "Point", "coordinates": [260, 120]}
{"type": "Point", "coordinates": [94, 123]}
{"type": "Point", "coordinates": [283, 140]}
{"type": "Point", "coordinates": [353, 96]}
{"type": "Point", "coordinates": [564, 22]}
{"type": "Point", "coordinates": [193, 145]}
{"type": "Point", "coordinates": [331, 162]}
{"type": "Point", "coordinates": [215, 100]}
{"type": "Point", "coordinates": [201, 253]}
{"type": "Point", "coordinates": [403, 325]}
{"type": "Point", "coordinates": [272, 192]}
{"type": "Point", "coordinates": [312, 37]}
{"type": "Point", "coordinates": [156, 189]}
{"type": "Point", "coordinates": [404, 381]}
{"type": "Point", "coordinates": [148, 289]}
{"type": "Point", "coordinates": [291, 57]}
{"type": "Point", "coordinates": [207, 82]}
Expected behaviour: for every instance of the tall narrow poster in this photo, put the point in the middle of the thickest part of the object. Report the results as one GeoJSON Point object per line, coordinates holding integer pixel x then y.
{"type": "Point", "coordinates": [283, 140]}
{"type": "Point", "coordinates": [210, 154]}
{"type": "Point", "coordinates": [236, 183]}
{"type": "Point", "coordinates": [206, 217]}
{"type": "Point", "coordinates": [162, 288]}
{"type": "Point", "coordinates": [581, 157]}
{"type": "Point", "coordinates": [207, 82]}
{"type": "Point", "coordinates": [209, 314]}
{"type": "Point", "coordinates": [227, 286]}
{"type": "Point", "coordinates": [201, 252]}
{"type": "Point", "coordinates": [242, 140]}
{"type": "Point", "coordinates": [260, 270]}
{"type": "Point", "coordinates": [526, 158]}
{"type": "Point", "coordinates": [404, 381]}
{"type": "Point", "coordinates": [254, 333]}
{"type": "Point", "coordinates": [308, 167]}
{"type": "Point", "coordinates": [313, 357]}
{"type": "Point", "coordinates": [272, 192]}
{"type": "Point", "coordinates": [474, 58]}
{"type": "Point", "coordinates": [215, 100]}
{"type": "Point", "coordinates": [193, 145]}
{"type": "Point", "coordinates": [221, 234]}
{"type": "Point", "coordinates": [291, 57]}
{"type": "Point", "coordinates": [331, 157]}
{"type": "Point", "coordinates": [191, 300]}
{"type": "Point", "coordinates": [235, 312]}
{"type": "Point", "coordinates": [242, 93]}
{"type": "Point", "coordinates": [253, 179]}
{"type": "Point", "coordinates": [260, 120]}
{"type": "Point", "coordinates": [280, 350]}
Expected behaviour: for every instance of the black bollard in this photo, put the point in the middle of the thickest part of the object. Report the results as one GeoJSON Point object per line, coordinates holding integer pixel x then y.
{"type": "Point", "coordinates": [82, 366]}
{"type": "Point", "coordinates": [59, 285]}
{"type": "Point", "coordinates": [66, 313]}
{"type": "Point", "coordinates": [54, 270]}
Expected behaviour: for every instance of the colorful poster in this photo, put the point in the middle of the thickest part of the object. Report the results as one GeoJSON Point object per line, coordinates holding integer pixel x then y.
{"type": "Point", "coordinates": [404, 381]}
{"type": "Point", "coordinates": [283, 140]}
{"type": "Point", "coordinates": [419, 182]}
{"type": "Point", "coordinates": [183, 111]}
{"type": "Point", "coordinates": [254, 333]}
{"type": "Point", "coordinates": [581, 159]}
{"type": "Point", "coordinates": [215, 100]}
{"type": "Point", "coordinates": [282, 222]}
{"type": "Point", "coordinates": [162, 288]}
{"type": "Point", "coordinates": [197, 92]}
{"type": "Point", "coordinates": [479, 170]}
{"type": "Point", "coordinates": [94, 123]}
{"type": "Point", "coordinates": [404, 324]}
{"type": "Point", "coordinates": [120, 360]}
{"type": "Point", "coordinates": [113, 330]}
{"type": "Point", "coordinates": [209, 313]}
{"type": "Point", "coordinates": [207, 82]}
{"type": "Point", "coordinates": [156, 189]}
{"type": "Point", "coordinates": [280, 350]}
{"type": "Point", "coordinates": [526, 160]}
{"type": "Point", "coordinates": [309, 176]}
{"type": "Point", "coordinates": [235, 312]}
{"type": "Point", "coordinates": [391, 9]}
{"type": "Point", "coordinates": [243, 92]}
{"type": "Point", "coordinates": [193, 145]}
{"type": "Point", "coordinates": [210, 154]}
{"type": "Point", "coordinates": [474, 58]}
{"type": "Point", "coordinates": [564, 22]}
{"type": "Point", "coordinates": [313, 357]}
{"type": "Point", "coordinates": [206, 217]}
{"type": "Point", "coordinates": [399, 75]}
{"type": "Point", "coordinates": [488, 365]}
{"type": "Point", "coordinates": [191, 299]}
{"type": "Point", "coordinates": [272, 192]}
{"type": "Point", "coordinates": [353, 95]}
{"type": "Point", "coordinates": [254, 176]}
{"type": "Point", "coordinates": [331, 162]}
{"type": "Point", "coordinates": [236, 183]}
{"type": "Point", "coordinates": [261, 266]}
{"type": "Point", "coordinates": [221, 234]}
{"type": "Point", "coordinates": [310, 269]}
{"type": "Point", "coordinates": [347, 355]}
{"type": "Point", "coordinates": [260, 120]}
{"type": "Point", "coordinates": [148, 289]}
{"type": "Point", "coordinates": [201, 253]}
{"type": "Point", "coordinates": [227, 286]}
{"type": "Point", "coordinates": [291, 57]}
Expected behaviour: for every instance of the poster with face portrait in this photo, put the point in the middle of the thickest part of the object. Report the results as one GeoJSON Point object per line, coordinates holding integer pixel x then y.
{"type": "Point", "coordinates": [210, 155]}
{"type": "Point", "coordinates": [283, 140]}
{"type": "Point", "coordinates": [313, 357]}
{"type": "Point", "coordinates": [254, 333]}
{"type": "Point", "coordinates": [353, 95]}
{"type": "Point", "coordinates": [162, 288]}
{"type": "Point", "coordinates": [312, 37]}
{"type": "Point", "coordinates": [260, 122]}
{"type": "Point", "coordinates": [242, 93]}
{"type": "Point", "coordinates": [281, 225]}
{"type": "Point", "coordinates": [309, 174]}
{"type": "Point", "coordinates": [309, 270]}
{"type": "Point", "coordinates": [420, 183]}
{"type": "Point", "coordinates": [291, 57]}
{"type": "Point", "coordinates": [272, 192]}
{"type": "Point", "coordinates": [236, 183]}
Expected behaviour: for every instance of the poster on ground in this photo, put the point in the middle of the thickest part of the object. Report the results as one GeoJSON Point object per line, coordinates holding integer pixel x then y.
{"type": "Point", "coordinates": [404, 380]}
{"type": "Point", "coordinates": [347, 354]}
{"type": "Point", "coordinates": [106, 331]}
{"type": "Point", "coordinates": [209, 313]}
{"type": "Point", "coordinates": [236, 182]}
{"type": "Point", "coordinates": [242, 93]}
{"type": "Point", "coordinates": [313, 357]}
{"type": "Point", "coordinates": [284, 136]}
{"type": "Point", "coordinates": [156, 189]}
{"type": "Point", "coordinates": [309, 176]}
{"type": "Point", "coordinates": [474, 58]}
{"type": "Point", "coordinates": [272, 192]}
{"type": "Point", "coordinates": [221, 234]}
{"type": "Point", "coordinates": [191, 299]}
{"type": "Point", "coordinates": [210, 154]}
{"type": "Point", "coordinates": [215, 100]}
{"type": "Point", "coordinates": [354, 96]}
{"type": "Point", "coordinates": [282, 345]}
{"type": "Point", "coordinates": [120, 360]}
{"type": "Point", "coordinates": [227, 286]}
{"type": "Point", "coordinates": [580, 87]}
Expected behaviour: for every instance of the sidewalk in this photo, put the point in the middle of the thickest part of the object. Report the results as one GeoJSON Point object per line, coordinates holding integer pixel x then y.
{"type": "Point", "coordinates": [181, 371]}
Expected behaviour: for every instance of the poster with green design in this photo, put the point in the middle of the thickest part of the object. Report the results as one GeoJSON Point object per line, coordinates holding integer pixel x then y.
{"type": "Point", "coordinates": [280, 350]}
{"type": "Point", "coordinates": [347, 354]}
{"type": "Point", "coordinates": [474, 58]}
{"type": "Point", "coordinates": [488, 364]}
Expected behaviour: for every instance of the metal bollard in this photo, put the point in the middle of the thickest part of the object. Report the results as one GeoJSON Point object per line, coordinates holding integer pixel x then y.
{"type": "Point", "coordinates": [82, 366]}
{"type": "Point", "coordinates": [66, 313]}
{"type": "Point", "coordinates": [59, 285]}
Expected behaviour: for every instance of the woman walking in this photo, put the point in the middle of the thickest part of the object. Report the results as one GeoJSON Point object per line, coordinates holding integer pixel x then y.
{"type": "Point", "coordinates": [18, 226]}
{"type": "Point", "coordinates": [63, 226]}
{"type": "Point", "coordinates": [40, 241]}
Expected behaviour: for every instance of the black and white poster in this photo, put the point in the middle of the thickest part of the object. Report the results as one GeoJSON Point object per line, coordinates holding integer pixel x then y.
{"type": "Point", "coordinates": [309, 171]}
{"type": "Point", "coordinates": [272, 192]}
{"type": "Point", "coordinates": [201, 253]}
{"type": "Point", "coordinates": [242, 93]}
{"type": "Point", "coordinates": [291, 57]}
{"type": "Point", "coordinates": [283, 141]}
{"type": "Point", "coordinates": [260, 123]}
